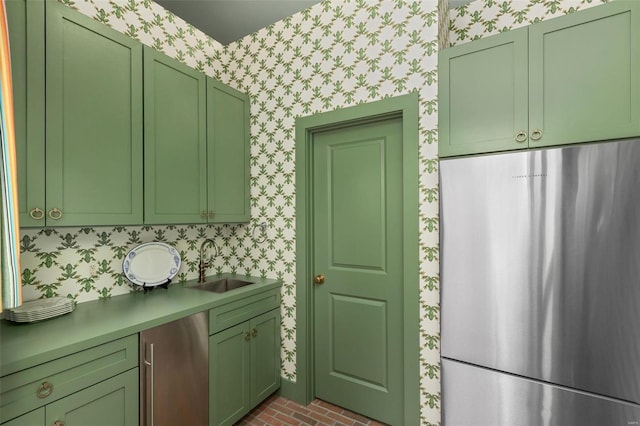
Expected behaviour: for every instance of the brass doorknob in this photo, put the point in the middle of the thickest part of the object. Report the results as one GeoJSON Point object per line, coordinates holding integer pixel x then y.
{"type": "Point", "coordinates": [319, 279]}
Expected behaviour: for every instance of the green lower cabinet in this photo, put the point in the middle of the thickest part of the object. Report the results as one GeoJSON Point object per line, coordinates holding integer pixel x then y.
{"type": "Point", "coordinates": [244, 367]}
{"type": "Point", "coordinates": [34, 418]}
{"type": "Point", "coordinates": [113, 402]}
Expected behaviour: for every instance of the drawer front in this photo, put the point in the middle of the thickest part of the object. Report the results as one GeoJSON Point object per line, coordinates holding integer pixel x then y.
{"type": "Point", "coordinates": [34, 387]}
{"type": "Point", "coordinates": [233, 313]}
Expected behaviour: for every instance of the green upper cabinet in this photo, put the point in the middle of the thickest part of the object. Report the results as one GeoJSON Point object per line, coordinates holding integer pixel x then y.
{"type": "Point", "coordinates": [483, 95]}
{"type": "Point", "coordinates": [227, 153]}
{"type": "Point", "coordinates": [566, 80]}
{"type": "Point", "coordinates": [26, 33]}
{"type": "Point", "coordinates": [584, 76]}
{"type": "Point", "coordinates": [175, 143]}
{"type": "Point", "coordinates": [196, 146]}
{"type": "Point", "coordinates": [93, 122]}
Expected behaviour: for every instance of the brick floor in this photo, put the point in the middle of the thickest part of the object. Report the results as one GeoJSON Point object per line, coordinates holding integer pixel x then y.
{"type": "Point", "coordinates": [279, 411]}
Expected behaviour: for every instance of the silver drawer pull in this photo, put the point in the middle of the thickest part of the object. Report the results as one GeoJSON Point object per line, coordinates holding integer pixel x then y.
{"type": "Point", "coordinates": [44, 390]}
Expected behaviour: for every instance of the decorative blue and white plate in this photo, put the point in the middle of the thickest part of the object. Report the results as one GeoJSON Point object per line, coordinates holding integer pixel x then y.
{"type": "Point", "coordinates": [151, 264]}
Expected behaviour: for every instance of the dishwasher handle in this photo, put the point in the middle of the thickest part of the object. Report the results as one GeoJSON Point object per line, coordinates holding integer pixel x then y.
{"type": "Point", "coordinates": [149, 386]}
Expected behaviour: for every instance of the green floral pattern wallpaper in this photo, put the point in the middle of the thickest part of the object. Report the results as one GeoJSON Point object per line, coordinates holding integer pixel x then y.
{"type": "Point", "coordinates": [336, 54]}
{"type": "Point", "coordinates": [482, 18]}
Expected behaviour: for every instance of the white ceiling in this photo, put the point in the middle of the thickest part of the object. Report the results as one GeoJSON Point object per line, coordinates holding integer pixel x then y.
{"type": "Point", "coordinates": [229, 20]}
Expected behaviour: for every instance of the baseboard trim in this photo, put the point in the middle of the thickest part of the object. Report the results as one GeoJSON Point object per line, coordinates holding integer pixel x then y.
{"type": "Point", "coordinates": [292, 390]}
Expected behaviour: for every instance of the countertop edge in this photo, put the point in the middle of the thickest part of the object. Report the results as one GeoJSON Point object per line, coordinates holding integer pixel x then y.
{"type": "Point", "coordinates": [155, 308]}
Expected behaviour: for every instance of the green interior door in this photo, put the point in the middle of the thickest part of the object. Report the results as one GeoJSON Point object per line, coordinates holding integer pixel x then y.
{"type": "Point", "coordinates": [358, 235]}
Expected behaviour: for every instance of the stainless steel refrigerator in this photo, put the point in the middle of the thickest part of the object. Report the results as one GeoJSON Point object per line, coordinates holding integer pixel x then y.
{"type": "Point", "coordinates": [540, 287]}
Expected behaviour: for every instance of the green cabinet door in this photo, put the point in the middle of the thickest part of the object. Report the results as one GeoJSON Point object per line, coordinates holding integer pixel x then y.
{"type": "Point", "coordinates": [26, 35]}
{"type": "Point", "coordinates": [113, 402]}
{"type": "Point", "coordinates": [175, 151]}
{"type": "Point", "coordinates": [244, 367]}
{"type": "Point", "coordinates": [483, 95]}
{"type": "Point", "coordinates": [33, 418]}
{"type": "Point", "coordinates": [229, 369]}
{"type": "Point", "coordinates": [94, 122]}
{"type": "Point", "coordinates": [227, 153]}
{"type": "Point", "coordinates": [265, 355]}
{"type": "Point", "coordinates": [585, 76]}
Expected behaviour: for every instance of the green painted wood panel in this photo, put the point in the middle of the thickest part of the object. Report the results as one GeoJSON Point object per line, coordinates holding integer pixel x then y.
{"type": "Point", "coordinates": [175, 187]}
{"type": "Point", "coordinates": [26, 35]}
{"type": "Point", "coordinates": [94, 121]}
{"type": "Point", "coordinates": [357, 190]}
{"type": "Point", "coordinates": [227, 154]}
{"type": "Point", "coordinates": [265, 355]}
{"type": "Point", "coordinates": [67, 375]}
{"type": "Point", "coordinates": [483, 95]}
{"type": "Point", "coordinates": [585, 75]}
{"type": "Point", "coordinates": [235, 312]}
{"type": "Point", "coordinates": [229, 369]}
{"type": "Point", "coordinates": [34, 418]}
{"type": "Point", "coordinates": [113, 402]}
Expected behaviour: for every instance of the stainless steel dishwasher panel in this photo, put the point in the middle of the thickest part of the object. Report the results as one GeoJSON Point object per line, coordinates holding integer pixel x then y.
{"type": "Point", "coordinates": [174, 373]}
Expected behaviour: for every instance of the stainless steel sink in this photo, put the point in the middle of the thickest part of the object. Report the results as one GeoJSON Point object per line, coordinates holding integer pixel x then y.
{"type": "Point", "coordinates": [221, 285]}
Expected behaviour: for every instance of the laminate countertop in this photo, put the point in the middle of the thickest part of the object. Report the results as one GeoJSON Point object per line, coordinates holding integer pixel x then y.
{"type": "Point", "coordinates": [24, 345]}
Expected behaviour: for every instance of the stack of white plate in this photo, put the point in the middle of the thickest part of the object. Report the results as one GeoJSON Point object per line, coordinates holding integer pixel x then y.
{"type": "Point", "coordinates": [40, 309]}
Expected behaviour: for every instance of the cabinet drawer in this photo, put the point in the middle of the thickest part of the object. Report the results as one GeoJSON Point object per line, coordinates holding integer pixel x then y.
{"type": "Point", "coordinates": [34, 387]}
{"type": "Point", "coordinates": [241, 310]}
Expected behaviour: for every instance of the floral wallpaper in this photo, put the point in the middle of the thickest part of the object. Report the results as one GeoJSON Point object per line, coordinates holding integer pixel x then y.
{"type": "Point", "coordinates": [335, 54]}
{"type": "Point", "coordinates": [482, 18]}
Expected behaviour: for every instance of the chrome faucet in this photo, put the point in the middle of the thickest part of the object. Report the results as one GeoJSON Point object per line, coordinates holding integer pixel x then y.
{"type": "Point", "coordinates": [202, 267]}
